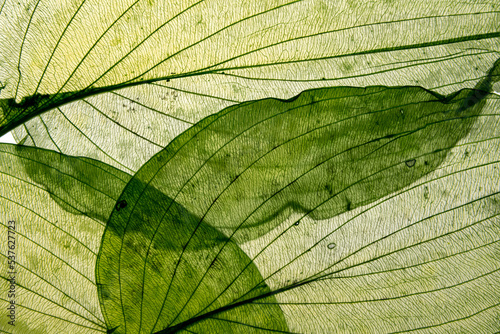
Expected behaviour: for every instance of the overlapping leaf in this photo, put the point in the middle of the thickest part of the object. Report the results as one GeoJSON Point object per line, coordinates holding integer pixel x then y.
{"type": "Point", "coordinates": [145, 297]}
{"type": "Point", "coordinates": [117, 81]}
{"type": "Point", "coordinates": [253, 164]}
{"type": "Point", "coordinates": [59, 205]}
{"type": "Point", "coordinates": [271, 171]}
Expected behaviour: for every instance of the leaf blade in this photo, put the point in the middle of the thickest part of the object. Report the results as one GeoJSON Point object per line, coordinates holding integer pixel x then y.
{"type": "Point", "coordinates": [177, 174]}
{"type": "Point", "coordinates": [263, 55]}
{"type": "Point", "coordinates": [56, 237]}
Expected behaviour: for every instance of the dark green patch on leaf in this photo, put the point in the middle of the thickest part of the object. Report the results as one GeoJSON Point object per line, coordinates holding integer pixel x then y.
{"type": "Point", "coordinates": [248, 168]}
{"type": "Point", "coordinates": [150, 263]}
{"type": "Point", "coordinates": [112, 330]}
{"type": "Point", "coordinates": [79, 185]}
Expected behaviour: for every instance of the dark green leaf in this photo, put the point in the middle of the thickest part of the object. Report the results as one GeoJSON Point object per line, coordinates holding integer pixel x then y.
{"type": "Point", "coordinates": [250, 166]}
{"type": "Point", "coordinates": [140, 296]}
{"type": "Point", "coordinates": [251, 169]}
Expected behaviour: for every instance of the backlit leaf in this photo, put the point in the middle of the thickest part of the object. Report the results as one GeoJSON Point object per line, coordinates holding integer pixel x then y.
{"type": "Point", "coordinates": [274, 177]}
{"type": "Point", "coordinates": [71, 58]}
{"type": "Point", "coordinates": [59, 205]}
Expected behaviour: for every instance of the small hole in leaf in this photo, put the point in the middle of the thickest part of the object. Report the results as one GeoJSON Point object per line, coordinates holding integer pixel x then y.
{"type": "Point", "coordinates": [120, 205]}
{"type": "Point", "coordinates": [410, 163]}
{"type": "Point", "coordinates": [331, 246]}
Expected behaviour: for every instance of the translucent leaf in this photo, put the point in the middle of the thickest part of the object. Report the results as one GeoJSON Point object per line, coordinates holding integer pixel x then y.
{"type": "Point", "coordinates": [425, 260]}
{"type": "Point", "coordinates": [124, 128]}
{"type": "Point", "coordinates": [268, 173]}
{"type": "Point", "coordinates": [58, 204]}
{"type": "Point", "coordinates": [247, 167]}
{"type": "Point", "coordinates": [213, 54]}
{"type": "Point", "coordinates": [144, 297]}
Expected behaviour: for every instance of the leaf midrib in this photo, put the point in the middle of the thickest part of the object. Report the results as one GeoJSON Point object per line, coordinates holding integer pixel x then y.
{"type": "Point", "coordinates": [80, 95]}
